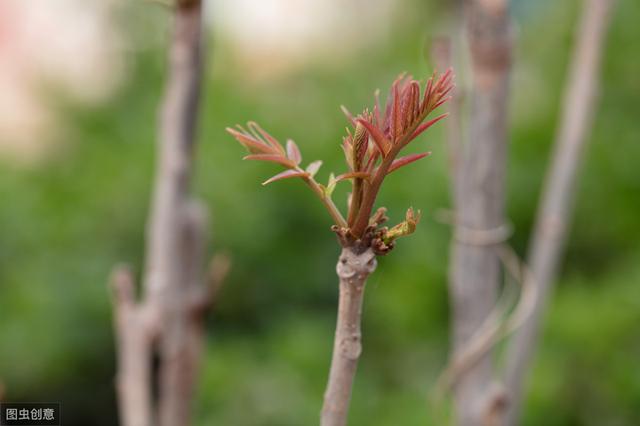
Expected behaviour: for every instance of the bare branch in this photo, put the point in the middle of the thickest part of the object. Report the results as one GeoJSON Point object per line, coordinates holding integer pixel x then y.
{"type": "Point", "coordinates": [169, 321]}
{"type": "Point", "coordinates": [353, 268]}
{"type": "Point", "coordinates": [555, 208]}
{"type": "Point", "coordinates": [175, 150]}
{"type": "Point", "coordinates": [480, 198]}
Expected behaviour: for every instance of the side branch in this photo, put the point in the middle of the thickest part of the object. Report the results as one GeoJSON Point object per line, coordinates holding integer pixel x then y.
{"type": "Point", "coordinates": [555, 208]}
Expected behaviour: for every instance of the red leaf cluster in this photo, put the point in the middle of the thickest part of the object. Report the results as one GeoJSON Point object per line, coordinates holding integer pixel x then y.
{"type": "Point", "coordinates": [404, 113]}
{"type": "Point", "coordinates": [264, 147]}
{"type": "Point", "coordinates": [371, 147]}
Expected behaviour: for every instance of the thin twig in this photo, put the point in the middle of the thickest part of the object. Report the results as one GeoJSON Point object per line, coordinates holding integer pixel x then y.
{"type": "Point", "coordinates": [507, 316]}
{"type": "Point", "coordinates": [552, 220]}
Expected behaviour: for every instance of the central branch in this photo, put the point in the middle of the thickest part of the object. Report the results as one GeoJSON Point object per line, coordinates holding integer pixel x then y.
{"type": "Point", "coordinates": [354, 266]}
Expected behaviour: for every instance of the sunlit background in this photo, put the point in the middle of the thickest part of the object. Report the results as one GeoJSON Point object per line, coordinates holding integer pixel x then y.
{"type": "Point", "coordinates": [80, 83]}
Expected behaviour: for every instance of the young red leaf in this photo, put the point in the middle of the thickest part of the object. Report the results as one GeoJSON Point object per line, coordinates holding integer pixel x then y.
{"type": "Point", "coordinates": [403, 161]}
{"type": "Point", "coordinates": [274, 158]}
{"type": "Point", "coordinates": [442, 101]}
{"type": "Point", "coordinates": [428, 94]}
{"type": "Point", "coordinates": [348, 151]}
{"type": "Point", "coordinates": [348, 114]}
{"type": "Point", "coordinates": [444, 81]}
{"type": "Point", "coordinates": [256, 129]}
{"type": "Point", "coordinates": [293, 152]}
{"type": "Point", "coordinates": [286, 175]}
{"type": "Point", "coordinates": [376, 108]}
{"type": "Point", "coordinates": [381, 142]}
{"type": "Point", "coordinates": [406, 105]}
{"type": "Point", "coordinates": [253, 145]}
{"type": "Point", "coordinates": [373, 157]}
{"type": "Point", "coordinates": [410, 103]}
{"type": "Point", "coordinates": [424, 126]}
{"type": "Point", "coordinates": [396, 117]}
{"type": "Point", "coordinates": [313, 168]}
{"type": "Point", "coordinates": [360, 145]}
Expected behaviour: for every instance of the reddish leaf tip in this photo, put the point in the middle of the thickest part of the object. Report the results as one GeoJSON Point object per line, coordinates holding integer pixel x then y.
{"type": "Point", "coordinates": [293, 152]}
{"type": "Point", "coordinates": [403, 161]}
{"type": "Point", "coordinates": [287, 174]}
{"type": "Point", "coordinates": [376, 134]}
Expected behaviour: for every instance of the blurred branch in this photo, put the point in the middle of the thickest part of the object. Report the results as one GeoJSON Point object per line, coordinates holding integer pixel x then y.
{"type": "Point", "coordinates": [134, 336]}
{"type": "Point", "coordinates": [508, 314]}
{"type": "Point", "coordinates": [169, 319]}
{"type": "Point", "coordinates": [479, 199]}
{"type": "Point", "coordinates": [555, 207]}
{"type": "Point", "coordinates": [182, 336]}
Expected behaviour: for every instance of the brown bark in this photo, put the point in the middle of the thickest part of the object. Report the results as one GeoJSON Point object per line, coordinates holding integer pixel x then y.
{"type": "Point", "coordinates": [175, 146]}
{"type": "Point", "coordinates": [182, 336]}
{"type": "Point", "coordinates": [480, 199]}
{"type": "Point", "coordinates": [353, 268]}
{"type": "Point", "coordinates": [555, 208]}
{"type": "Point", "coordinates": [168, 319]}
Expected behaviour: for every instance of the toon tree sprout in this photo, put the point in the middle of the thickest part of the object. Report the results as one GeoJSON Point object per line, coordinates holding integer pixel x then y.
{"type": "Point", "coordinates": [371, 149]}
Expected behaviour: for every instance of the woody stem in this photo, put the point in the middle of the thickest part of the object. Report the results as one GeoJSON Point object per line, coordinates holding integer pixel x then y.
{"type": "Point", "coordinates": [353, 269]}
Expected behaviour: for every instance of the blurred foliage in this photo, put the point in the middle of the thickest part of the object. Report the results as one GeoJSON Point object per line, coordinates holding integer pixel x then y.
{"type": "Point", "coordinates": [63, 225]}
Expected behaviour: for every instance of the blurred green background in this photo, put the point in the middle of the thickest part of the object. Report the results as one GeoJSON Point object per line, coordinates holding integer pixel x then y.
{"type": "Point", "coordinates": [65, 221]}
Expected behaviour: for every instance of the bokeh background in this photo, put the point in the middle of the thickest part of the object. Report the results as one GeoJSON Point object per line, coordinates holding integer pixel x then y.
{"type": "Point", "coordinates": [80, 82]}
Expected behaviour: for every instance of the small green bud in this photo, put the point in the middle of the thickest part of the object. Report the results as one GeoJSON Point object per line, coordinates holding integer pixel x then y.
{"type": "Point", "coordinates": [404, 228]}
